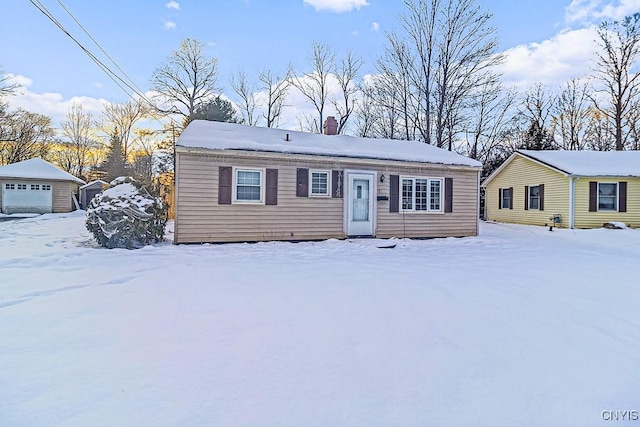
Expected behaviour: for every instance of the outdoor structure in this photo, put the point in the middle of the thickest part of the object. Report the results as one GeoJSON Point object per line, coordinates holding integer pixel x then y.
{"type": "Point", "coordinates": [89, 191]}
{"type": "Point", "coordinates": [571, 189]}
{"type": "Point", "coordinates": [238, 183]}
{"type": "Point", "coordinates": [36, 186]}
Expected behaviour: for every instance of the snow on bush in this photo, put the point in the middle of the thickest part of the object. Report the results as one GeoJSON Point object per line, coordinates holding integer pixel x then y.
{"type": "Point", "coordinates": [126, 215]}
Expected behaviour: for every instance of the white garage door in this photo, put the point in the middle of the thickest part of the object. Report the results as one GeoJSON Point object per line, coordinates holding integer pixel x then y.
{"type": "Point", "coordinates": [26, 198]}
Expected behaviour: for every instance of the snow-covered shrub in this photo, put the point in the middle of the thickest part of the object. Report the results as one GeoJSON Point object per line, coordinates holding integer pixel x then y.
{"type": "Point", "coordinates": [126, 215]}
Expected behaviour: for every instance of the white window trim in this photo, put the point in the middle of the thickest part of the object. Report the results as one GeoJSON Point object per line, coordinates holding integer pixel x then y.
{"type": "Point", "coordinates": [311, 172]}
{"type": "Point", "coordinates": [262, 186]}
{"type": "Point", "coordinates": [617, 202]}
{"type": "Point", "coordinates": [529, 198]}
{"type": "Point", "coordinates": [413, 195]}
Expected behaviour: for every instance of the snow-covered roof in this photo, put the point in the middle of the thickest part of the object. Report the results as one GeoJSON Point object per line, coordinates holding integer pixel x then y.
{"type": "Point", "coordinates": [231, 136]}
{"type": "Point", "coordinates": [589, 163]}
{"type": "Point", "coordinates": [97, 181]}
{"type": "Point", "coordinates": [36, 169]}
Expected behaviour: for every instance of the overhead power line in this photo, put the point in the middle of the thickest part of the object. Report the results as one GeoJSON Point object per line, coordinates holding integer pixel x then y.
{"type": "Point", "coordinates": [119, 81]}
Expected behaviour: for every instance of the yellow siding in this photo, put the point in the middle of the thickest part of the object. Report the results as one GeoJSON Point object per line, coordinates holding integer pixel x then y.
{"type": "Point", "coordinates": [521, 172]}
{"type": "Point", "coordinates": [586, 219]}
{"type": "Point", "coordinates": [199, 218]}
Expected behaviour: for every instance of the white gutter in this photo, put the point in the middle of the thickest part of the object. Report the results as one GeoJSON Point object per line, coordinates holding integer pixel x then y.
{"type": "Point", "coordinates": [572, 200]}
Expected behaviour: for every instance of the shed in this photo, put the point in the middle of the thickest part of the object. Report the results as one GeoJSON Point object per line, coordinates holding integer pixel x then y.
{"type": "Point", "coordinates": [89, 191]}
{"type": "Point", "coordinates": [571, 189]}
{"type": "Point", "coordinates": [36, 186]}
{"type": "Point", "coordinates": [241, 183]}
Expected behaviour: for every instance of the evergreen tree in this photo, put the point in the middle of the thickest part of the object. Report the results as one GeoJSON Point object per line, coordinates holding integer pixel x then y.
{"type": "Point", "coordinates": [538, 138]}
{"type": "Point", "coordinates": [115, 164]}
{"type": "Point", "coordinates": [216, 110]}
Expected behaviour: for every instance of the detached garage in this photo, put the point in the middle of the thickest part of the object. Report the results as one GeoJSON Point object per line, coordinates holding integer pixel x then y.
{"type": "Point", "coordinates": [36, 186]}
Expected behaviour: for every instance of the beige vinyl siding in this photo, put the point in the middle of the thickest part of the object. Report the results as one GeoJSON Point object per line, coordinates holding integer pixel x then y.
{"type": "Point", "coordinates": [62, 199]}
{"type": "Point", "coordinates": [586, 219]}
{"type": "Point", "coordinates": [61, 192]}
{"type": "Point", "coordinates": [199, 218]}
{"type": "Point", "coordinates": [521, 172]}
{"type": "Point", "coordinates": [463, 221]}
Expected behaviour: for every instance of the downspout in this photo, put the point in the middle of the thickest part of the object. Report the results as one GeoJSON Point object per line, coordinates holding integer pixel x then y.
{"type": "Point", "coordinates": [572, 200]}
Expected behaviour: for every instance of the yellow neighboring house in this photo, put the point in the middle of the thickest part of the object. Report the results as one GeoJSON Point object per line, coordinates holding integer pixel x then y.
{"type": "Point", "coordinates": [570, 189]}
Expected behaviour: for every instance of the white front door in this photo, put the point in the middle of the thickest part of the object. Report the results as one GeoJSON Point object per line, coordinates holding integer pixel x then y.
{"type": "Point", "coordinates": [360, 215]}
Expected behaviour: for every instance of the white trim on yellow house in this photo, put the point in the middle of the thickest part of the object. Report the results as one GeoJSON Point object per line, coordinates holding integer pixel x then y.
{"type": "Point", "coordinates": [574, 174]}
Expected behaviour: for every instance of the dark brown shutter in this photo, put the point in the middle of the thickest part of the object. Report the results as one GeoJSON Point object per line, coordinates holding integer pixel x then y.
{"type": "Point", "coordinates": [394, 193]}
{"type": "Point", "coordinates": [510, 197]}
{"type": "Point", "coordinates": [224, 185]}
{"type": "Point", "coordinates": [302, 183]}
{"type": "Point", "coordinates": [448, 194]}
{"type": "Point", "coordinates": [593, 196]}
{"type": "Point", "coordinates": [337, 178]}
{"type": "Point", "coordinates": [541, 197]}
{"type": "Point", "coordinates": [499, 198]}
{"type": "Point", "coordinates": [526, 197]}
{"type": "Point", "coordinates": [622, 196]}
{"type": "Point", "coordinates": [271, 197]}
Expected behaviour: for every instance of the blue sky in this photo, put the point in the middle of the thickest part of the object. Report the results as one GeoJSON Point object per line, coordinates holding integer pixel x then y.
{"type": "Point", "coordinates": [545, 39]}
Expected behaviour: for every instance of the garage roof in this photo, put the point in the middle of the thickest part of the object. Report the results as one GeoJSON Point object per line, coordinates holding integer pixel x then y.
{"type": "Point", "coordinates": [36, 169]}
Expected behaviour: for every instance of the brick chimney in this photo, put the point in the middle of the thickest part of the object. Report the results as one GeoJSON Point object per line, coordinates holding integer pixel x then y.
{"type": "Point", "coordinates": [330, 126]}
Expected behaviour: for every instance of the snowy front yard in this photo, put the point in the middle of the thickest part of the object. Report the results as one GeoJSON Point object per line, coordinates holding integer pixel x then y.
{"type": "Point", "coordinates": [520, 326]}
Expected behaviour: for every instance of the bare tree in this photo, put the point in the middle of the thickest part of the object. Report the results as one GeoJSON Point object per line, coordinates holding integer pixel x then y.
{"type": "Point", "coordinates": [118, 122]}
{"type": "Point", "coordinates": [247, 94]}
{"type": "Point", "coordinates": [598, 132]}
{"type": "Point", "coordinates": [467, 52]}
{"type": "Point", "coordinates": [420, 23]}
{"type": "Point", "coordinates": [187, 79]}
{"type": "Point", "coordinates": [25, 135]}
{"type": "Point", "coordinates": [489, 118]}
{"type": "Point", "coordinates": [535, 113]}
{"type": "Point", "coordinates": [314, 85]}
{"type": "Point", "coordinates": [7, 88]}
{"type": "Point", "coordinates": [79, 149]}
{"type": "Point", "coordinates": [570, 114]}
{"type": "Point", "coordinates": [346, 73]}
{"type": "Point", "coordinates": [275, 90]}
{"type": "Point", "coordinates": [620, 50]}
{"type": "Point", "coordinates": [448, 52]}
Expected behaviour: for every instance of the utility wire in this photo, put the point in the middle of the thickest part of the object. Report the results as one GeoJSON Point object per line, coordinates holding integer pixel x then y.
{"type": "Point", "coordinates": [119, 81]}
{"type": "Point", "coordinates": [138, 90]}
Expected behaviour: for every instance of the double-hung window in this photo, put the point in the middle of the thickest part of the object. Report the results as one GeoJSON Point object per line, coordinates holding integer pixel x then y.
{"type": "Point", "coordinates": [421, 194]}
{"type": "Point", "coordinates": [319, 183]}
{"type": "Point", "coordinates": [608, 196]}
{"type": "Point", "coordinates": [248, 185]}
{"type": "Point", "coordinates": [505, 198]}
{"type": "Point", "coordinates": [534, 197]}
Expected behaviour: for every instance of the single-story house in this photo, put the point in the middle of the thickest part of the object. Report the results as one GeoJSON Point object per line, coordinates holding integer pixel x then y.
{"type": "Point", "coordinates": [36, 186]}
{"type": "Point", "coordinates": [580, 189]}
{"type": "Point", "coordinates": [89, 191]}
{"type": "Point", "coordinates": [236, 183]}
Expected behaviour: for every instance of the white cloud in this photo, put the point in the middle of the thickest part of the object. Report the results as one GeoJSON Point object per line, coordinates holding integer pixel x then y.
{"type": "Point", "coordinates": [595, 11]}
{"type": "Point", "coordinates": [354, 33]}
{"type": "Point", "coordinates": [173, 5]}
{"type": "Point", "coordinates": [337, 6]}
{"type": "Point", "coordinates": [168, 25]}
{"type": "Point", "coordinates": [18, 80]}
{"type": "Point", "coordinates": [552, 62]}
{"type": "Point", "coordinates": [51, 104]}
{"type": "Point", "coordinates": [375, 26]}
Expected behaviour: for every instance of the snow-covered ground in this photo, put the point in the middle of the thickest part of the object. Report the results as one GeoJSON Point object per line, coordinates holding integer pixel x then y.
{"type": "Point", "coordinates": [520, 326]}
